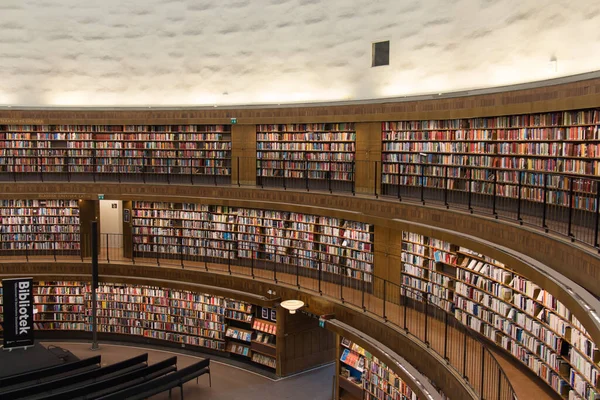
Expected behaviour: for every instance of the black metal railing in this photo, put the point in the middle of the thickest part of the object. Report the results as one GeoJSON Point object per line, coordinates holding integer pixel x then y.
{"type": "Point", "coordinates": [420, 315]}
{"type": "Point", "coordinates": [563, 204]}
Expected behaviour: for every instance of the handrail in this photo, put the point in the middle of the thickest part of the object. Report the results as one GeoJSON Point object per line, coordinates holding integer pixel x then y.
{"type": "Point", "coordinates": [571, 208]}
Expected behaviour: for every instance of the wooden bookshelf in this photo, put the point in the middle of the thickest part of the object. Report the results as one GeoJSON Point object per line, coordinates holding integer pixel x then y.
{"type": "Point", "coordinates": [145, 312]}
{"type": "Point", "coordinates": [363, 376]}
{"type": "Point", "coordinates": [58, 305]}
{"type": "Point", "coordinates": [506, 308]}
{"type": "Point", "coordinates": [186, 153]}
{"type": "Point", "coordinates": [510, 151]}
{"type": "Point", "coordinates": [306, 155]}
{"type": "Point", "coordinates": [39, 226]}
{"type": "Point", "coordinates": [173, 230]}
{"type": "Point", "coordinates": [242, 235]}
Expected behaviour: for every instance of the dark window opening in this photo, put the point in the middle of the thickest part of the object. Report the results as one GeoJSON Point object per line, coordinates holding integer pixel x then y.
{"type": "Point", "coordinates": [381, 53]}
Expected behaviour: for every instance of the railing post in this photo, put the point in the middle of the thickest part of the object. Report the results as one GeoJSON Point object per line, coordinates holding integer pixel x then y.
{"type": "Point", "coordinates": [283, 164]}
{"type": "Point", "coordinates": [426, 317]}
{"type": "Point", "coordinates": [544, 209]}
{"type": "Point", "coordinates": [570, 233]}
{"type": "Point", "coordinates": [494, 193]}
{"type": "Point", "coordinates": [158, 254]}
{"type": "Point", "coordinates": [404, 299]}
{"type": "Point", "coordinates": [238, 171]}
{"type": "Point", "coordinates": [519, 196]}
{"type": "Point", "coordinates": [297, 276]}
{"type": "Point", "coordinates": [94, 164]}
{"type": "Point", "coordinates": [446, 187]}
{"type": "Point", "coordinates": [14, 168]}
{"type": "Point", "coordinates": [107, 256]}
{"type": "Point", "coordinates": [482, 370]}
{"type": "Point", "coordinates": [320, 269]}
{"type": "Point", "coordinates": [446, 337]}
{"type": "Point", "coordinates": [181, 253]}
{"type": "Point", "coordinates": [119, 165]}
{"type": "Point", "coordinates": [342, 275]}
{"type": "Point", "coordinates": [275, 272]}
{"type": "Point", "coordinates": [306, 175]}
{"type": "Point", "coordinates": [81, 245]}
{"type": "Point", "coordinates": [353, 178]}
{"type": "Point", "coordinates": [205, 262]}
{"type": "Point", "coordinates": [423, 183]}
{"type": "Point", "coordinates": [363, 291]}
{"type": "Point", "coordinates": [191, 163]}
{"type": "Point", "coordinates": [597, 214]}
{"type": "Point", "coordinates": [384, 297]}
{"type": "Point", "coordinates": [214, 173]}
{"type": "Point", "coordinates": [40, 166]}
{"type": "Point", "coordinates": [68, 168]}
{"type": "Point", "coordinates": [26, 251]}
{"type": "Point", "coordinates": [229, 257]}
{"type": "Point", "coordinates": [470, 192]}
{"type": "Point", "coordinates": [329, 179]}
{"type": "Point", "coordinates": [398, 185]}
{"type": "Point", "coordinates": [54, 245]}
{"type": "Point", "coordinates": [375, 181]}
{"type": "Point", "coordinates": [465, 354]}
{"type": "Point", "coordinates": [252, 266]}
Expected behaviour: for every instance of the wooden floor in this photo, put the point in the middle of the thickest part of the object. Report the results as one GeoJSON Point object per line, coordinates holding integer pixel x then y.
{"type": "Point", "coordinates": [228, 382]}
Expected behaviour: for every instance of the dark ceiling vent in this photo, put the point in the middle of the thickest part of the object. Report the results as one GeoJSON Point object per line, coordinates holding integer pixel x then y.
{"type": "Point", "coordinates": [381, 53]}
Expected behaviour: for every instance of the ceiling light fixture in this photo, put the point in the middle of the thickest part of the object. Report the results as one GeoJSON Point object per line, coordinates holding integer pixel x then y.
{"type": "Point", "coordinates": [292, 305]}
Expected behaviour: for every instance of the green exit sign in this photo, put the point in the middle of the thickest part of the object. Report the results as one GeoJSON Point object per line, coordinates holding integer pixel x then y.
{"type": "Point", "coordinates": [100, 197]}
{"type": "Point", "coordinates": [321, 323]}
{"type": "Point", "coordinates": [233, 121]}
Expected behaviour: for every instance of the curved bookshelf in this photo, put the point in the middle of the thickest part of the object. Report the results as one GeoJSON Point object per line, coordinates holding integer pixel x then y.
{"type": "Point", "coordinates": [103, 152]}
{"type": "Point", "coordinates": [299, 154]}
{"type": "Point", "coordinates": [506, 308]}
{"type": "Point", "coordinates": [310, 242]}
{"type": "Point", "coordinates": [536, 157]}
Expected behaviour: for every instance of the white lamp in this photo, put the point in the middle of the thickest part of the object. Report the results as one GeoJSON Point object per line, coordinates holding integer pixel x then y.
{"type": "Point", "coordinates": [292, 305]}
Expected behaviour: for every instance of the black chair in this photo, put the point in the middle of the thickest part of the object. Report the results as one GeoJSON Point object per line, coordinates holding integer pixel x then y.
{"type": "Point", "coordinates": [37, 375]}
{"type": "Point", "coordinates": [120, 382]}
{"type": "Point", "coordinates": [169, 382]}
{"type": "Point", "coordinates": [76, 379]}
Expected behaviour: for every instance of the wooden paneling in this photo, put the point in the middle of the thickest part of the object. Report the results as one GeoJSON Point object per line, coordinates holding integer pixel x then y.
{"type": "Point", "coordinates": [304, 344]}
{"type": "Point", "coordinates": [581, 94]}
{"type": "Point", "coordinates": [88, 212]}
{"type": "Point", "coordinates": [387, 253]}
{"type": "Point", "coordinates": [243, 146]}
{"type": "Point", "coordinates": [368, 150]}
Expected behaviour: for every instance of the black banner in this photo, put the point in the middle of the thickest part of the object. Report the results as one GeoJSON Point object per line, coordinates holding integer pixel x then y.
{"type": "Point", "coordinates": [18, 312]}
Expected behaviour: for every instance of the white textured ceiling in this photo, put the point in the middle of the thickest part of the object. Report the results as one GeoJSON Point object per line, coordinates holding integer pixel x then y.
{"type": "Point", "coordinates": [192, 52]}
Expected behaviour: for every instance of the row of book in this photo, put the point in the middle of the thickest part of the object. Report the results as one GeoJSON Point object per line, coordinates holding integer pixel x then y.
{"type": "Point", "coordinates": [344, 136]}
{"type": "Point", "coordinates": [302, 128]}
{"type": "Point", "coordinates": [303, 146]}
{"type": "Point", "coordinates": [376, 379]}
{"type": "Point", "coordinates": [552, 119]}
{"type": "Point", "coordinates": [563, 134]}
{"type": "Point", "coordinates": [115, 128]}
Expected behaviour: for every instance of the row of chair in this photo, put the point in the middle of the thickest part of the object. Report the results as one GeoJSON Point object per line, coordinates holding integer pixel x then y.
{"type": "Point", "coordinates": [86, 379]}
